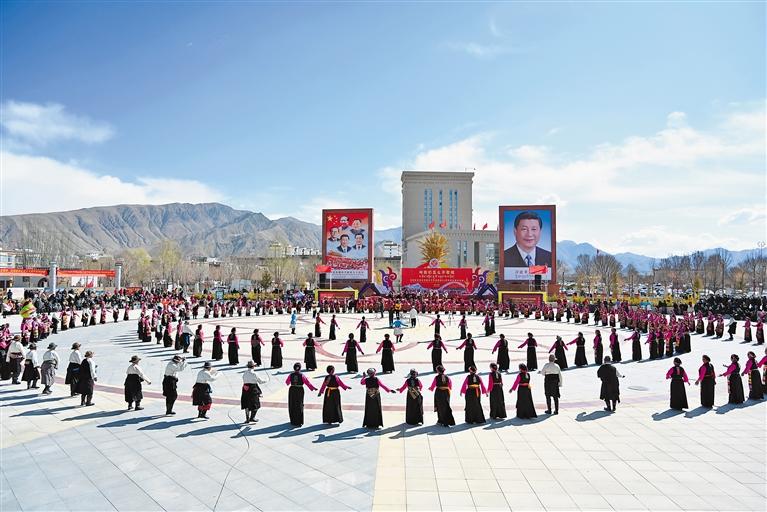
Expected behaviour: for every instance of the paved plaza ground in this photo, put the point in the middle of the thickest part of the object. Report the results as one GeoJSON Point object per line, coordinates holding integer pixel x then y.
{"type": "Point", "coordinates": [59, 456]}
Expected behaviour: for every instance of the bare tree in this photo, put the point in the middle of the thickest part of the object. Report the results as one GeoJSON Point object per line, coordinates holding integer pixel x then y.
{"type": "Point", "coordinates": [584, 270]}
{"type": "Point", "coordinates": [562, 270]}
{"type": "Point", "coordinates": [632, 276]}
{"type": "Point", "coordinates": [168, 257]}
{"type": "Point", "coordinates": [137, 265]}
{"type": "Point", "coordinates": [608, 268]}
{"type": "Point", "coordinates": [725, 260]}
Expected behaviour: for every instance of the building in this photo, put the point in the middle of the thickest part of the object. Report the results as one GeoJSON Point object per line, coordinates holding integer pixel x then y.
{"type": "Point", "coordinates": [443, 200]}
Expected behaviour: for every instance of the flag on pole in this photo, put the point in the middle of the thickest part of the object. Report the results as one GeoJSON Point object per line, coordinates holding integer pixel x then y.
{"type": "Point", "coordinates": [485, 226]}
{"type": "Point", "coordinates": [443, 225]}
{"type": "Point", "coordinates": [474, 227]}
{"type": "Point", "coordinates": [431, 225]}
{"type": "Point", "coordinates": [538, 270]}
{"type": "Point", "coordinates": [323, 269]}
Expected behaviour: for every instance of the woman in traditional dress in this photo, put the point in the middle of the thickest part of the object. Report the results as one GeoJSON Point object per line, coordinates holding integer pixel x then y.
{"type": "Point", "coordinates": [747, 330]}
{"type": "Point", "coordinates": [754, 379]}
{"type": "Point", "coordinates": [333, 327]}
{"type": "Point", "coordinates": [598, 347]}
{"type": "Point", "coordinates": [525, 406]}
{"type": "Point", "coordinates": [502, 346]}
{"type": "Point", "coordinates": [198, 341]}
{"type": "Point", "coordinates": [318, 326]}
{"type": "Point", "coordinates": [310, 357]}
{"type": "Point", "coordinates": [414, 401]}
{"type": "Point", "coordinates": [201, 391]}
{"type": "Point", "coordinates": [532, 357]}
{"type": "Point", "coordinates": [495, 390]}
{"type": "Point", "coordinates": [706, 381]}
{"type": "Point", "coordinates": [386, 347]}
{"type": "Point", "coordinates": [233, 347]}
{"type": "Point", "coordinates": [580, 350]}
{"type": "Point", "coordinates": [350, 350]}
{"type": "Point", "coordinates": [373, 418]}
{"type": "Point", "coordinates": [610, 389]}
{"type": "Point", "coordinates": [734, 382]}
{"type": "Point", "coordinates": [636, 345]}
{"type": "Point", "coordinates": [363, 326]}
{"type": "Point", "coordinates": [331, 404]}
{"type": "Point", "coordinates": [678, 379]}
{"type": "Point", "coordinates": [256, 342]}
{"type": "Point", "coordinates": [473, 388]}
{"type": "Point", "coordinates": [250, 398]}
{"type": "Point", "coordinates": [31, 372]}
{"type": "Point", "coordinates": [48, 368]}
{"type": "Point", "coordinates": [468, 346]}
{"type": "Point", "coordinates": [218, 345]}
{"type": "Point", "coordinates": [615, 346]}
{"type": "Point", "coordinates": [134, 376]}
{"type": "Point", "coordinates": [441, 385]}
{"type": "Point", "coordinates": [296, 382]}
{"type": "Point", "coordinates": [436, 346]}
{"type": "Point", "coordinates": [559, 348]}
{"type": "Point", "coordinates": [276, 357]}
{"type": "Point", "coordinates": [73, 369]}
{"type": "Point", "coordinates": [462, 324]}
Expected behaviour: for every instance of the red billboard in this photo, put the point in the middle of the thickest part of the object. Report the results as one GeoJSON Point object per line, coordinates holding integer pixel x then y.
{"type": "Point", "coordinates": [457, 280]}
{"type": "Point", "coordinates": [347, 243]}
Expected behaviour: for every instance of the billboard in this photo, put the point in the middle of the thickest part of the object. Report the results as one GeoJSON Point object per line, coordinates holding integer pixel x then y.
{"type": "Point", "coordinates": [347, 243]}
{"type": "Point", "coordinates": [432, 279]}
{"type": "Point", "coordinates": [528, 236]}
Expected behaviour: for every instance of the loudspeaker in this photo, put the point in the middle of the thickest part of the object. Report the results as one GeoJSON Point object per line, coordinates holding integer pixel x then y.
{"type": "Point", "coordinates": [538, 284]}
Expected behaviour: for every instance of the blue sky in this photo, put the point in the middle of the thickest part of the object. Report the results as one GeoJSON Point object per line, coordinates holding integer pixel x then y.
{"type": "Point", "coordinates": [603, 108]}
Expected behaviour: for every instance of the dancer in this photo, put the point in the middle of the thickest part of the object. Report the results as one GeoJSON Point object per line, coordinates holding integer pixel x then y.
{"type": "Point", "coordinates": [170, 382]}
{"type": "Point", "coordinates": [706, 381]}
{"type": "Point", "coordinates": [636, 345]}
{"type": "Point", "coordinates": [552, 381]}
{"type": "Point", "coordinates": [331, 404]}
{"type": "Point", "coordinates": [502, 346]}
{"type": "Point", "coordinates": [471, 388]}
{"type": "Point", "coordinates": [318, 326]}
{"type": "Point", "coordinates": [73, 370]}
{"type": "Point", "coordinates": [678, 379]}
{"type": "Point", "coordinates": [437, 324]}
{"type": "Point", "coordinates": [436, 346]}
{"type": "Point", "coordinates": [134, 376]}
{"type": "Point", "coordinates": [256, 342]}
{"type": "Point", "coordinates": [277, 344]}
{"type": "Point", "coordinates": [218, 345]}
{"type": "Point", "coordinates": [414, 401]}
{"type": "Point", "coordinates": [310, 356]}
{"type": "Point", "coordinates": [363, 326]}
{"type": "Point", "coordinates": [48, 368]}
{"type": "Point", "coordinates": [532, 357]}
{"type": "Point", "coordinates": [734, 382]}
{"type": "Point", "coordinates": [525, 406]}
{"type": "Point", "coordinates": [580, 350]}
{"type": "Point", "coordinates": [250, 398]}
{"type": "Point", "coordinates": [598, 348]}
{"type": "Point", "coordinates": [468, 346]}
{"type": "Point", "coordinates": [198, 341]}
{"type": "Point", "coordinates": [296, 382]}
{"type": "Point", "coordinates": [441, 385]}
{"type": "Point", "coordinates": [559, 348]}
{"type": "Point", "coordinates": [233, 347]}
{"type": "Point", "coordinates": [14, 357]}
{"type": "Point", "coordinates": [610, 391]}
{"type": "Point", "coordinates": [495, 390]}
{"type": "Point", "coordinates": [86, 379]}
{"type": "Point", "coordinates": [201, 391]}
{"type": "Point", "coordinates": [373, 418]}
{"type": "Point", "coordinates": [387, 356]}
{"type": "Point", "coordinates": [350, 349]}
{"type": "Point", "coordinates": [31, 367]}
{"type": "Point", "coordinates": [754, 379]}
{"type": "Point", "coordinates": [615, 346]}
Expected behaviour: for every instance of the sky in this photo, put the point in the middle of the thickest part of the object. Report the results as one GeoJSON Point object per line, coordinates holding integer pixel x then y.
{"type": "Point", "coordinates": [643, 122]}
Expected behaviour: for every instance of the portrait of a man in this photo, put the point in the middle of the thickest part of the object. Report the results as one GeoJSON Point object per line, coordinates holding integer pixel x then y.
{"type": "Point", "coordinates": [525, 252]}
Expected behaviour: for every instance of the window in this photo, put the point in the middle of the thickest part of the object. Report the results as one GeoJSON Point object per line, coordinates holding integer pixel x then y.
{"type": "Point", "coordinates": [440, 206]}
{"type": "Point", "coordinates": [428, 213]}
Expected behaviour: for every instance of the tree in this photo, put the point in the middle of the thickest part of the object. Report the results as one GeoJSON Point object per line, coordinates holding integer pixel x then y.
{"type": "Point", "coordinates": [168, 257]}
{"type": "Point", "coordinates": [137, 265]}
{"type": "Point", "coordinates": [584, 269]}
{"type": "Point", "coordinates": [266, 280]}
{"type": "Point", "coordinates": [725, 260]}
{"type": "Point", "coordinates": [562, 269]}
{"type": "Point", "coordinates": [608, 268]}
{"type": "Point", "coordinates": [632, 275]}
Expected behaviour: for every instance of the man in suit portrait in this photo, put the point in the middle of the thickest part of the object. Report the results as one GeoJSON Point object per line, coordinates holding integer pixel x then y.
{"type": "Point", "coordinates": [525, 252]}
{"type": "Point", "coordinates": [359, 249]}
{"type": "Point", "coordinates": [333, 235]}
{"type": "Point", "coordinates": [344, 247]}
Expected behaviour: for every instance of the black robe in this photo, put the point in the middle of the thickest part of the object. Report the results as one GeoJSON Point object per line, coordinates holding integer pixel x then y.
{"type": "Point", "coordinates": [677, 391]}
{"type": "Point", "coordinates": [580, 352]}
{"type": "Point", "coordinates": [473, 410]}
{"type": "Point", "coordinates": [310, 357]}
{"type": "Point", "coordinates": [532, 356]}
{"type": "Point", "coordinates": [387, 356]}
{"type": "Point", "coordinates": [707, 386]}
{"type": "Point", "coordinates": [610, 389]}
{"type": "Point", "coordinates": [373, 414]}
{"type": "Point", "coordinates": [414, 402]}
{"type": "Point", "coordinates": [497, 400]}
{"type": "Point", "coordinates": [331, 404]}
{"type": "Point", "coordinates": [442, 402]}
{"type": "Point", "coordinates": [436, 354]}
{"type": "Point", "coordinates": [468, 354]}
{"type": "Point", "coordinates": [598, 351]}
{"type": "Point", "coordinates": [351, 357]}
{"type": "Point", "coordinates": [503, 356]}
{"type": "Point", "coordinates": [525, 406]}
{"type": "Point", "coordinates": [133, 391]}
{"type": "Point", "coordinates": [255, 349]}
{"type": "Point", "coordinates": [250, 398]}
{"type": "Point", "coordinates": [276, 359]}
{"type": "Point", "coordinates": [296, 399]}
{"type": "Point", "coordinates": [559, 353]}
{"type": "Point", "coordinates": [735, 386]}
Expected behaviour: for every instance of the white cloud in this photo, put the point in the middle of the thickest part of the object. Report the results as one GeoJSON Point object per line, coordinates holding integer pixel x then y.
{"type": "Point", "coordinates": [682, 182]}
{"type": "Point", "coordinates": [481, 50]}
{"type": "Point", "coordinates": [38, 125]}
{"type": "Point", "coordinates": [43, 184]}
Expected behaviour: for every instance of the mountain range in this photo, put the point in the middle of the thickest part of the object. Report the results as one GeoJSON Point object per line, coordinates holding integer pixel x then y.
{"type": "Point", "coordinates": [213, 229]}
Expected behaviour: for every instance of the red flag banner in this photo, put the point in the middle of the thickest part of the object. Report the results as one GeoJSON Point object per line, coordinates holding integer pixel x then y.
{"type": "Point", "coordinates": [323, 269]}
{"type": "Point", "coordinates": [538, 270]}
{"type": "Point", "coordinates": [431, 225]}
{"type": "Point", "coordinates": [485, 226]}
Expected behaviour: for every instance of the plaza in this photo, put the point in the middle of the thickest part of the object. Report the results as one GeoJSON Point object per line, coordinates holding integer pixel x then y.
{"type": "Point", "coordinates": [57, 455]}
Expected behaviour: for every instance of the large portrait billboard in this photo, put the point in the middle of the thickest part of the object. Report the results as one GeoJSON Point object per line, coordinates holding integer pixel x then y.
{"type": "Point", "coordinates": [347, 243]}
{"type": "Point", "coordinates": [528, 237]}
